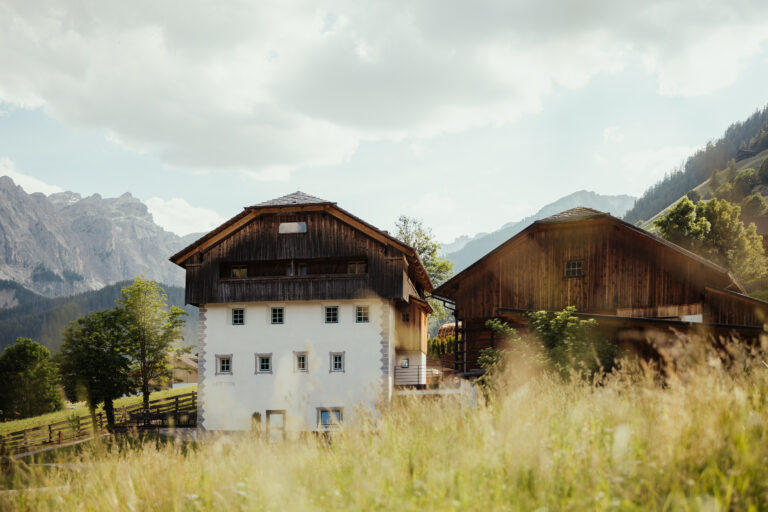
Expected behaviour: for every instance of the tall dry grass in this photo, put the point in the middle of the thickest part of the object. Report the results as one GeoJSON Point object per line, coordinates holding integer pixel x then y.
{"type": "Point", "coordinates": [694, 439]}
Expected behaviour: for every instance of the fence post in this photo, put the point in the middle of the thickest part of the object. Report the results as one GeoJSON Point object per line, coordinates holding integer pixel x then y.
{"type": "Point", "coordinates": [176, 403]}
{"type": "Point", "coordinates": [60, 436]}
{"type": "Point", "coordinates": [50, 434]}
{"type": "Point", "coordinates": [101, 427]}
{"type": "Point", "coordinates": [77, 432]}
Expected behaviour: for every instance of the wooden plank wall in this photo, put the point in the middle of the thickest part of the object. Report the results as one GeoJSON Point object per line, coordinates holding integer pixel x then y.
{"type": "Point", "coordinates": [326, 237]}
{"type": "Point", "coordinates": [622, 270]}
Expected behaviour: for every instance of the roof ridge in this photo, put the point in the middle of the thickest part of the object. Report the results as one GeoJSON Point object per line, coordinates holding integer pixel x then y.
{"type": "Point", "coordinates": [297, 197]}
{"type": "Point", "coordinates": [576, 213]}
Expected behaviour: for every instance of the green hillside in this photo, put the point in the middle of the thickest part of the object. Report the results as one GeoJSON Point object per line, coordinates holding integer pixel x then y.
{"type": "Point", "coordinates": [705, 188]}
{"type": "Point", "coordinates": [750, 134]}
{"type": "Point", "coordinates": [43, 319]}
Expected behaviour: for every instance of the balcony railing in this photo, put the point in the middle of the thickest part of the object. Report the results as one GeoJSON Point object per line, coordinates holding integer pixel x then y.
{"type": "Point", "coordinates": [418, 376]}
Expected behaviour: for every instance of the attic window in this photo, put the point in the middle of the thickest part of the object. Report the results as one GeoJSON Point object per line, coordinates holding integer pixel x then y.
{"type": "Point", "coordinates": [356, 267]}
{"type": "Point", "coordinates": [574, 268]}
{"type": "Point", "coordinates": [288, 228]}
{"type": "Point", "coordinates": [239, 271]}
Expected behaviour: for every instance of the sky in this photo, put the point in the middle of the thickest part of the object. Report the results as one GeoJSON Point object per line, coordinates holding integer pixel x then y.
{"type": "Point", "coordinates": [467, 115]}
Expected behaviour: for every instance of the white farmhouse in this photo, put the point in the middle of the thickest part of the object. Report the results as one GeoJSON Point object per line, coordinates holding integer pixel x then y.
{"type": "Point", "coordinates": [305, 313]}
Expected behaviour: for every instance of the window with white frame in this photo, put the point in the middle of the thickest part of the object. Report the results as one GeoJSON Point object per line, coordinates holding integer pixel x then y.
{"type": "Point", "coordinates": [332, 314]}
{"type": "Point", "coordinates": [361, 314]}
{"type": "Point", "coordinates": [238, 316]}
{"type": "Point", "coordinates": [574, 268]}
{"type": "Point", "coordinates": [223, 364]}
{"type": "Point", "coordinates": [329, 417]}
{"type": "Point", "coordinates": [300, 362]}
{"type": "Point", "coordinates": [263, 363]}
{"type": "Point", "coordinates": [278, 316]}
{"type": "Point", "coordinates": [404, 363]}
{"type": "Point", "coordinates": [337, 362]}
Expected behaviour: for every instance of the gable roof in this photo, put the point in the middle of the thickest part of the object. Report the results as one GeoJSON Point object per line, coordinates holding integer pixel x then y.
{"type": "Point", "coordinates": [300, 202]}
{"type": "Point", "coordinates": [580, 214]}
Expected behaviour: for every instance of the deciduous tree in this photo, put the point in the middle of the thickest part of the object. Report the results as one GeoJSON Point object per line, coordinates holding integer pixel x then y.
{"type": "Point", "coordinates": [153, 330]}
{"type": "Point", "coordinates": [28, 381]}
{"type": "Point", "coordinates": [95, 361]}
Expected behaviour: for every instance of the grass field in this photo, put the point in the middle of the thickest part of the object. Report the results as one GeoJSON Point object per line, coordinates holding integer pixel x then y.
{"type": "Point", "coordinates": [695, 440]}
{"type": "Point", "coordinates": [80, 409]}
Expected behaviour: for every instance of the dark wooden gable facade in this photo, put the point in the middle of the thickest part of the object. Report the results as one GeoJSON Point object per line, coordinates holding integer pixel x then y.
{"type": "Point", "coordinates": [333, 256]}
{"type": "Point", "coordinates": [604, 267]}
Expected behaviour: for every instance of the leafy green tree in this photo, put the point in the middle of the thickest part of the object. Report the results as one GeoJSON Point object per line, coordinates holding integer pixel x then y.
{"type": "Point", "coordinates": [754, 205]}
{"type": "Point", "coordinates": [28, 380]}
{"type": "Point", "coordinates": [412, 232]}
{"type": "Point", "coordinates": [743, 184]}
{"type": "Point", "coordinates": [95, 362]}
{"type": "Point", "coordinates": [714, 230]}
{"type": "Point", "coordinates": [683, 226]}
{"type": "Point", "coordinates": [725, 191]}
{"type": "Point", "coordinates": [694, 196]}
{"type": "Point", "coordinates": [153, 331]}
{"type": "Point", "coordinates": [762, 174]}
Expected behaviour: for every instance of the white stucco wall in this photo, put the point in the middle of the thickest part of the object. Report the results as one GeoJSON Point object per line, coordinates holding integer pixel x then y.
{"type": "Point", "coordinates": [226, 402]}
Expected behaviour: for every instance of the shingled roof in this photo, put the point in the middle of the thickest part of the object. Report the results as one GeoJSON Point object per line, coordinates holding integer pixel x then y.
{"type": "Point", "coordinates": [297, 197]}
{"type": "Point", "coordinates": [574, 214]}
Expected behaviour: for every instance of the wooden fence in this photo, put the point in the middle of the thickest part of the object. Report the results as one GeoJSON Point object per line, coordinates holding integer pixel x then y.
{"type": "Point", "coordinates": [81, 427]}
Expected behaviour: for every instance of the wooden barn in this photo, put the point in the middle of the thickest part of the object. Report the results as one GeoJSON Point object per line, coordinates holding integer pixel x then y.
{"type": "Point", "coordinates": [629, 280]}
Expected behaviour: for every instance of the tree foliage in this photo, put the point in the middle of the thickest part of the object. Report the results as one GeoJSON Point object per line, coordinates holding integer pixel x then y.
{"type": "Point", "coordinates": [754, 205]}
{"type": "Point", "coordinates": [762, 173]}
{"type": "Point", "coordinates": [28, 381]}
{"type": "Point", "coordinates": [95, 361]}
{"type": "Point", "coordinates": [153, 331]}
{"type": "Point", "coordinates": [714, 230]}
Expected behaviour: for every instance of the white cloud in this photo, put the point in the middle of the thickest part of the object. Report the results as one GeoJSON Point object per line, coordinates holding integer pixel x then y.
{"type": "Point", "coordinates": [267, 88]}
{"type": "Point", "coordinates": [28, 183]}
{"type": "Point", "coordinates": [178, 216]}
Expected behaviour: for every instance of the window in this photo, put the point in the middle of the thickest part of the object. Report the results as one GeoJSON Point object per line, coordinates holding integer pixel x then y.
{"type": "Point", "coordinates": [404, 363]}
{"type": "Point", "coordinates": [302, 269]}
{"type": "Point", "coordinates": [337, 362]}
{"type": "Point", "coordinates": [263, 363]}
{"type": "Point", "coordinates": [332, 315]}
{"type": "Point", "coordinates": [574, 268]}
{"type": "Point", "coordinates": [277, 316]}
{"type": "Point", "coordinates": [329, 417]}
{"type": "Point", "coordinates": [238, 272]}
{"type": "Point", "coordinates": [224, 364]}
{"type": "Point", "coordinates": [300, 362]}
{"type": "Point", "coordinates": [361, 315]}
{"type": "Point", "coordinates": [238, 316]}
{"type": "Point", "coordinates": [357, 267]}
{"type": "Point", "coordinates": [406, 317]}
{"type": "Point", "coordinates": [287, 228]}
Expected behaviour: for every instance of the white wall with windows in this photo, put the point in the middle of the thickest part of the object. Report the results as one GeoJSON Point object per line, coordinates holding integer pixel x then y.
{"type": "Point", "coordinates": [314, 360]}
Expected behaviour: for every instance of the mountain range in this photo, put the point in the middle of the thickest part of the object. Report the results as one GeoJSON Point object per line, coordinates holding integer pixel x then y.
{"type": "Point", "coordinates": [64, 243]}
{"type": "Point", "coordinates": [466, 250]}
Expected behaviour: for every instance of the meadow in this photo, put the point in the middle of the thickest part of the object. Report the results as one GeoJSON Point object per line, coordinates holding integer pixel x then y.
{"type": "Point", "coordinates": [692, 437]}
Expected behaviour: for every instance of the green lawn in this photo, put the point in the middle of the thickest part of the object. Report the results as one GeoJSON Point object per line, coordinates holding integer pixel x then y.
{"type": "Point", "coordinates": [80, 409]}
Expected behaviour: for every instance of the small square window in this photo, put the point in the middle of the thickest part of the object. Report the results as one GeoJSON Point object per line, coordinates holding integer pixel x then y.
{"type": "Point", "coordinates": [337, 362]}
{"type": "Point", "coordinates": [357, 267]}
{"type": "Point", "coordinates": [263, 363]}
{"type": "Point", "coordinates": [224, 365]}
{"type": "Point", "coordinates": [404, 363]}
{"type": "Point", "coordinates": [238, 272]}
{"type": "Point", "coordinates": [238, 316]}
{"type": "Point", "coordinates": [574, 268]}
{"type": "Point", "coordinates": [300, 362]}
{"type": "Point", "coordinates": [332, 315]}
{"type": "Point", "coordinates": [406, 317]}
{"type": "Point", "coordinates": [361, 314]}
{"type": "Point", "coordinates": [277, 316]}
{"type": "Point", "coordinates": [329, 418]}
{"type": "Point", "coordinates": [302, 269]}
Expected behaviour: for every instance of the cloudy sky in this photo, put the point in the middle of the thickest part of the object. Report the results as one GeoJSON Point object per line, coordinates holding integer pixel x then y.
{"type": "Point", "coordinates": [465, 114]}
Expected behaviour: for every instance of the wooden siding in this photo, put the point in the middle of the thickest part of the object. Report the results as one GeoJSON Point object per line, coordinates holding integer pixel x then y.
{"type": "Point", "coordinates": [622, 271]}
{"type": "Point", "coordinates": [258, 245]}
{"type": "Point", "coordinates": [723, 307]}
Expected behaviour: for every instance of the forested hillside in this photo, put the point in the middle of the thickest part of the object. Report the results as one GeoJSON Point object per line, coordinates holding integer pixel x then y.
{"type": "Point", "coordinates": [43, 319]}
{"type": "Point", "coordinates": [751, 135]}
